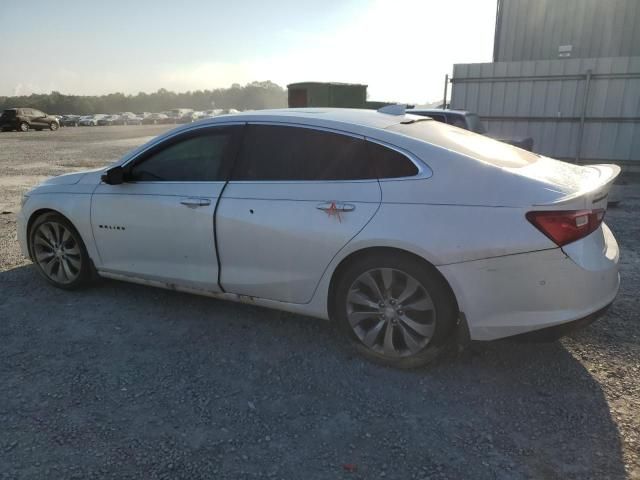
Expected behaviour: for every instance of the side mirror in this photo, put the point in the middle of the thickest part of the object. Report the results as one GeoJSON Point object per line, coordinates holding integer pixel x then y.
{"type": "Point", "coordinates": [113, 176]}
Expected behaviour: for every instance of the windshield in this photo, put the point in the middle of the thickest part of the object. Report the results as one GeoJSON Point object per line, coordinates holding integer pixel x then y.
{"type": "Point", "coordinates": [475, 125]}
{"type": "Point", "coordinates": [9, 113]}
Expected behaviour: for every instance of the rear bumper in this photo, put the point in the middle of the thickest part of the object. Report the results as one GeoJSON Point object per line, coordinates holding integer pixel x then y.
{"type": "Point", "coordinates": [551, 334]}
{"type": "Point", "coordinates": [511, 295]}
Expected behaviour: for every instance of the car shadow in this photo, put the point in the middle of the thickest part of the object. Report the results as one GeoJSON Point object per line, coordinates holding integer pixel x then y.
{"type": "Point", "coordinates": [119, 378]}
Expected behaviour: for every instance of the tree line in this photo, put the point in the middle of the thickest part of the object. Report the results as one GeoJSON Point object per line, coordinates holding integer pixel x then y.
{"type": "Point", "coordinates": [253, 96]}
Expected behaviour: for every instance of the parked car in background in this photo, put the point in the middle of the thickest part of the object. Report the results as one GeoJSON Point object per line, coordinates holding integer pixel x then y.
{"type": "Point", "coordinates": [109, 120]}
{"type": "Point", "coordinates": [469, 121]}
{"type": "Point", "coordinates": [210, 113]}
{"type": "Point", "coordinates": [69, 120]}
{"type": "Point", "coordinates": [402, 230]}
{"type": "Point", "coordinates": [187, 118]}
{"type": "Point", "coordinates": [129, 118]}
{"type": "Point", "coordinates": [179, 112]}
{"type": "Point", "coordinates": [90, 120]}
{"type": "Point", "coordinates": [24, 119]}
{"type": "Point", "coordinates": [156, 118]}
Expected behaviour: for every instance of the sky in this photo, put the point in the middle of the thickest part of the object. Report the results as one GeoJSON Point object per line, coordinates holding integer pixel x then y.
{"type": "Point", "coordinates": [402, 49]}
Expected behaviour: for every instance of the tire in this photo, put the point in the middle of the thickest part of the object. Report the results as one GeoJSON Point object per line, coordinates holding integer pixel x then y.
{"type": "Point", "coordinates": [407, 328]}
{"type": "Point", "coordinates": [23, 127]}
{"type": "Point", "coordinates": [58, 252]}
{"type": "Point", "coordinates": [53, 126]}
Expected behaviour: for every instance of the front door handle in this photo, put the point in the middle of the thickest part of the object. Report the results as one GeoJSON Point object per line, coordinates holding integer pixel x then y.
{"type": "Point", "coordinates": [193, 202]}
{"type": "Point", "coordinates": [336, 207]}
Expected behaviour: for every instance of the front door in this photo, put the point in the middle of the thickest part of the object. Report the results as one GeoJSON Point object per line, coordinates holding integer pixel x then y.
{"type": "Point", "coordinates": [158, 224]}
{"type": "Point", "coordinates": [297, 196]}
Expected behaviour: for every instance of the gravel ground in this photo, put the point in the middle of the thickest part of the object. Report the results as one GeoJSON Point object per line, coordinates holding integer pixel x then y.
{"type": "Point", "coordinates": [124, 381]}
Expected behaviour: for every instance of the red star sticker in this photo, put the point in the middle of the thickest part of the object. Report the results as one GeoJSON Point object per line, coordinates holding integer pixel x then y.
{"type": "Point", "coordinates": [333, 211]}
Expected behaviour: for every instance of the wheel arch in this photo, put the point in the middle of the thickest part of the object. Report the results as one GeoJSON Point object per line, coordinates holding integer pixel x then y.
{"type": "Point", "coordinates": [43, 211]}
{"type": "Point", "coordinates": [367, 251]}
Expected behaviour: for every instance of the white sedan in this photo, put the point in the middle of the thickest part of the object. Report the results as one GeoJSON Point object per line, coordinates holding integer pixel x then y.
{"type": "Point", "coordinates": [400, 229]}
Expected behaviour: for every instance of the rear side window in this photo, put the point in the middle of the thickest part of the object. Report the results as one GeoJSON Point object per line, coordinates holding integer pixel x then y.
{"type": "Point", "coordinates": [203, 157]}
{"type": "Point", "coordinates": [389, 163]}
{"type": "Point", "coordinates": [272, 152]}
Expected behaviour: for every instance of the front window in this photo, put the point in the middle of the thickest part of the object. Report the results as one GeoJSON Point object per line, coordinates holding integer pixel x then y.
{"type": "Point", "coordinates": [199, 158]}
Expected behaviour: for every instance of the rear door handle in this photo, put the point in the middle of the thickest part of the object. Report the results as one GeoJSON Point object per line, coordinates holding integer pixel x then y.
{"type": "Point", "coordinates": [193, 202]}
{"type": "Point", "coordinates": [336, 207]}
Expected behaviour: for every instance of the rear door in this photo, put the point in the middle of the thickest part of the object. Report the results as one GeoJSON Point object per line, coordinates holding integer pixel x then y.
{"type": "Point", "coordinates": [296, 197]}
{"type": "Point", "coordinates": [37, 119]}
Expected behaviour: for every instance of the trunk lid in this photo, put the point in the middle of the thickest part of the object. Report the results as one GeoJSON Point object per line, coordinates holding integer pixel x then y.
{"type": "Point", "coordinates": [576, 186]}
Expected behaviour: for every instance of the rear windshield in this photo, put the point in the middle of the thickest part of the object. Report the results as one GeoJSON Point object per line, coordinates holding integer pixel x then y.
{"type": "Point", "coordinates": [467, 143]}
{"type": "Point", "coordinates": [9, 113]}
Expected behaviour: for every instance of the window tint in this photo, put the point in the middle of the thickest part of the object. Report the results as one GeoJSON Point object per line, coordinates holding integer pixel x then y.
{"type": "Point", "coordinates": [388, 163]}
{"type": "Point", "coordinates": [273, 152]}
{"type": "Point", "coordinates": [199, 158]}
{"type": "Point", "coordinates": [37, 113]}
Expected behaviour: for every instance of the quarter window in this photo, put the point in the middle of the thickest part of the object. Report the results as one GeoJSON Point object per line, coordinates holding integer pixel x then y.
{"type": "Point", "coordinates": [197, 158]}
{"type": "Point", "coordinates": [273, 152]}
{"type": "Point", "coordinates": [389, 163]}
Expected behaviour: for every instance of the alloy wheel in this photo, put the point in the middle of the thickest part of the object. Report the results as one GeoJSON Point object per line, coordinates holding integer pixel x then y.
{"type": "Point", "coordinates": [57, 252]}
{"type": "Point", "coordinates": [391, 312]}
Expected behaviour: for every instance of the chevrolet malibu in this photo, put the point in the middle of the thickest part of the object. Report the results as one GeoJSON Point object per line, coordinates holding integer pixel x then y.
{"type": "Point", "coordinates": [402, 230]}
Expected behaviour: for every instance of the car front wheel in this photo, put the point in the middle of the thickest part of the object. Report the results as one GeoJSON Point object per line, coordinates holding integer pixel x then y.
{"type": "Point", "coordinates": [59, 253]}
{"type": "Point", "coordinates": [395, 309]}
{"type": "Point", "coordinates": [53, 126]}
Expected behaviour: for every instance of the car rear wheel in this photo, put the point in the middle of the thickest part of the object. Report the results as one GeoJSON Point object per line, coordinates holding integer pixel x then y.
{"type": "Point", "coordinates": [59, 253]}
{"type": "Point", "coordinates": [23, 127]}
{"type": "Point", "coordinates": [395, 309]}
{"type": "Point", "coordinates": [53, 126]}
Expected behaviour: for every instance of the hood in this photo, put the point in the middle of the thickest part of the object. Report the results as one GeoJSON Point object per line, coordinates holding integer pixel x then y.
{"type": "Point", "coordinates": [66, 179]}
{"type": "Point", "coordinates": [74, 178]}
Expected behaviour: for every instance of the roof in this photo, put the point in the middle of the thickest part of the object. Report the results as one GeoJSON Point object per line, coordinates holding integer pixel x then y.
{"type": "Point", "coordinates": [316, 116]}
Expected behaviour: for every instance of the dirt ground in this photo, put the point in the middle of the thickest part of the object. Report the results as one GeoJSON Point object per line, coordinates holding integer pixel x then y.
{"type": "Point", "coordinates": [124, 381]}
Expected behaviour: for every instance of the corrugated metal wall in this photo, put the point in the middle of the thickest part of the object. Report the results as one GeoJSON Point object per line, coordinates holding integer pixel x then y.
{"type": "Point", "coordinates": [544, 99]}
{"type": "Point", "coordinates": [534, 29]}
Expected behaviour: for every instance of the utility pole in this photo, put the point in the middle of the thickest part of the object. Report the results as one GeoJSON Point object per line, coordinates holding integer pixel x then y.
{"type": "Point", "coordinates": [446, 86]}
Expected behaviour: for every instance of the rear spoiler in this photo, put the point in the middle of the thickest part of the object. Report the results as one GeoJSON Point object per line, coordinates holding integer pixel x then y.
{"type": "Point", "coordinates": [595, 191]}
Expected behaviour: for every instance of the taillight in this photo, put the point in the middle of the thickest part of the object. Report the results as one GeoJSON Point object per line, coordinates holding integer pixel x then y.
{"type": "Point", "coordinates": [567, 226]}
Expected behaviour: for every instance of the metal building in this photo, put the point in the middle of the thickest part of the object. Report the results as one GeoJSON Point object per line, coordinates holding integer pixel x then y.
{"type": "Point", "coordinates": [548, 29]}
{"type": "Point", "coordinates": [567, 73]}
